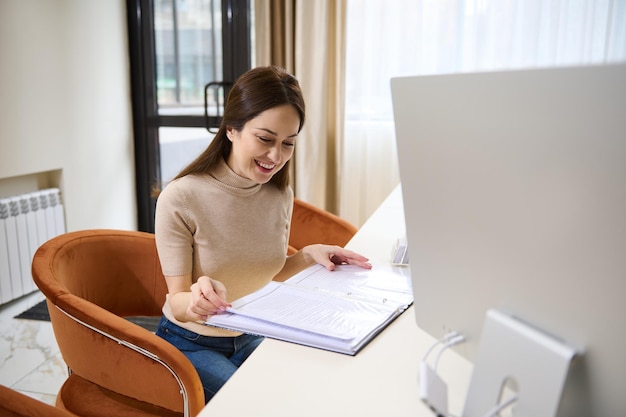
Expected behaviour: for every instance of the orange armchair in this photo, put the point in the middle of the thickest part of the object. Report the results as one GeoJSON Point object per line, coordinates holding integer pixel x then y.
{"type": "Point", "coordinates": [16, 404]}
{"type": "Point", "coordinates": [91, 280]}
{"type": "Point", "coordinates": [310, 224]}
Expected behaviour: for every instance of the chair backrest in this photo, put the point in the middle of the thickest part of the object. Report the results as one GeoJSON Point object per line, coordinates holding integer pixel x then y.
{"type": "Point", "coordinates": [16, 404]}
{"type": "Point", "coordinates": [310, 224]}
{"type": "Point", "coordinates": [91, 280]}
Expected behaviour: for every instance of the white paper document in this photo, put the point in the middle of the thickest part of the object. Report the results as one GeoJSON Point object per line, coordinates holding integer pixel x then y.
{"type": "Point", "coordinates": [338, 310]}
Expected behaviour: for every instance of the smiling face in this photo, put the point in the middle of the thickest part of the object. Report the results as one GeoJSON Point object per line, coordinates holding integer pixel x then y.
{"type": "Point", "coordinates": [265, 143]}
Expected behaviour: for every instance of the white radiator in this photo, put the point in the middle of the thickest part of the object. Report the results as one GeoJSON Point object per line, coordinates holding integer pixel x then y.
{"type": "Point", "coordinates": [26, 221]}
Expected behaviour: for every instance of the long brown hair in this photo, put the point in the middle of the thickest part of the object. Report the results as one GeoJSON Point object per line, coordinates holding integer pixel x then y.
{"type": "Point", "coordinates": [255, 91]}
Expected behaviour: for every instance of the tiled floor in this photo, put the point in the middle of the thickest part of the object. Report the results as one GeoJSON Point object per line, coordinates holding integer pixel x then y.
{"type": "Point", "coordinates": [30, 361]}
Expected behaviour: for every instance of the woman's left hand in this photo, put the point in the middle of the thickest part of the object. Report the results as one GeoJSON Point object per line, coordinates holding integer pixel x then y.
{"type": "Point", "coordinates": [329, 256]}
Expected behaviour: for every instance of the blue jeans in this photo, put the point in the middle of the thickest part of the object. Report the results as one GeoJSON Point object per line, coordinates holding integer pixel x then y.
{"type": "Point", "coordinates": [215, 358]}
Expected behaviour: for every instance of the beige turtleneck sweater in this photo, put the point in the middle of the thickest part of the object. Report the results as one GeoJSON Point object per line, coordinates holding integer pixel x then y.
{"type": "Point", "coordinates": [226, 227]}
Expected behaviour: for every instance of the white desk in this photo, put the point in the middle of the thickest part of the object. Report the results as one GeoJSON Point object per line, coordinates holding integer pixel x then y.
{"type": "Point", "coordinates": [284, 379]}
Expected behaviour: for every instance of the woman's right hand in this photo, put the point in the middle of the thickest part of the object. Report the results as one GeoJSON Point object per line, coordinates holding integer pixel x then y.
{"type": "Point", "coordinates": [208, 297]}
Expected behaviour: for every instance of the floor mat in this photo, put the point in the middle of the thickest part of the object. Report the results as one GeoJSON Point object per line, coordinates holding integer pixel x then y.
{"type": "Point", "coordinates": [37, 312]}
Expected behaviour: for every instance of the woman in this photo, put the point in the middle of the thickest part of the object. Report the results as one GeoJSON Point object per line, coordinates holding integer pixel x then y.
{"type": "Point", "coordinates": [222, 225]}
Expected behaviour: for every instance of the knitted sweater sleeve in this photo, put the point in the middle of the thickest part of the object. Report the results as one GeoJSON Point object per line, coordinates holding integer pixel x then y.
{"type": "Point", "coordinates": [174, 232]}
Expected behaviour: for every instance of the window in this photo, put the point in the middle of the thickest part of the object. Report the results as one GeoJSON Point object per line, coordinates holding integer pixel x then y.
{"type": "Point", "coordinates": [449, 36]}
{"type": "Point", "coordinates": [184, 56]}
{"type": "Point", "coordinates": [188, 52]}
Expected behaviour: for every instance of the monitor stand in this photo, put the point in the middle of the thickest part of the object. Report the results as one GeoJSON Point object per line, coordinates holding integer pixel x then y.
{"type": "Point", "coordinates": [515, 358]}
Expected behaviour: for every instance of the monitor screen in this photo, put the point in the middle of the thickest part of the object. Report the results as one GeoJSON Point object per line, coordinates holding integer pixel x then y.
{"type": "Point", "coordinates": [514, 189]}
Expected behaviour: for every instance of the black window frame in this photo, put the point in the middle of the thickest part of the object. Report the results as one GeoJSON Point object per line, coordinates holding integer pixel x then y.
{"type": "Point", "coordinates": [236, 50]}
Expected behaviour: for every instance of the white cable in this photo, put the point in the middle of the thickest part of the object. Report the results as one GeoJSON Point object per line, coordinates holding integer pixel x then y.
{"type": "Point", "coordinates": [499, 407]}
{"type": "Point", "coordinates": [444, 339]}
{"type": "Point", "coordinates": [453, 341]}
{"type": "Point", "coordinates": [433, 390]}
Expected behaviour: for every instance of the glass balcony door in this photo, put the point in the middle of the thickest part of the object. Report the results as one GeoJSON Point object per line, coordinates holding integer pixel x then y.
{"type": "Point", "coordinates": [185, 54]}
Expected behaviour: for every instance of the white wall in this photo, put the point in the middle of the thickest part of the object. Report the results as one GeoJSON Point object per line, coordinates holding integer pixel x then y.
{"type": "Point", "coordinates": [65, 111]}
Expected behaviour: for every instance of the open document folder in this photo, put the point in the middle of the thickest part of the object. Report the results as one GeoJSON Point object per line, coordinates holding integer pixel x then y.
{"type": "Point", "coordinates": [340, 310]}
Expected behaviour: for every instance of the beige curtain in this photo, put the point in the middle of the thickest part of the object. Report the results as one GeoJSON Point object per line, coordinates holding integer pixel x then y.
{"type": "Point", "coordinates": [308, 38]}
{"type": "Point", "coordinates": [274, 33]}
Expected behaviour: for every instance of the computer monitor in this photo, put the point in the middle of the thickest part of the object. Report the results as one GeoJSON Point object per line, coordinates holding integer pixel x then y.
{"type": "Point", "coordinates": [514, 189]}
